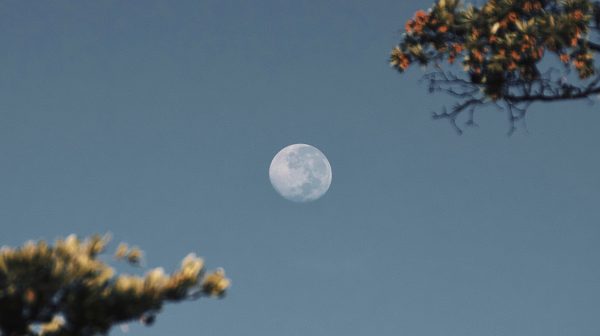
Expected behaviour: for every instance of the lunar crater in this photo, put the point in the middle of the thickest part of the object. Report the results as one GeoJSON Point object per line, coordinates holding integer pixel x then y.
{"type": "Point", "coordinates": [300, 173]}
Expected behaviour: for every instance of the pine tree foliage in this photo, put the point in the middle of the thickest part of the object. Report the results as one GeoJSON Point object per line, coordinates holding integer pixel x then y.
{"type": "Point", "coordinates": [66, 289]}
{"type": "Point", "coordinates": [512, 53]}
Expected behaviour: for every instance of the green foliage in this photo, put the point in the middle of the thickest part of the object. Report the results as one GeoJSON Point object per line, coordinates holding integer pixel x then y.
{"type": "Point", "coordinates": [66, 290]}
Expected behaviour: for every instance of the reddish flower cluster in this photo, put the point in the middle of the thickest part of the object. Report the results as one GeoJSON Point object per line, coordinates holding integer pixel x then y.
{"type": "Point", "coordinates": [417, 24]}
{"type": "Point", "coordinates": [455, 50]}
{"type": "Point", "coordinates": [577, 15]}
{"type": "Point", "coordinates": [399, 59]}
{"type": "Point", "coordinates": [530, 6]}
{"type": "Point", "coordinates": [499, 38]}
{"type": "Point", "coordinates": [583, 64]}
{"type": "Point", "coordinates": [404, 61]}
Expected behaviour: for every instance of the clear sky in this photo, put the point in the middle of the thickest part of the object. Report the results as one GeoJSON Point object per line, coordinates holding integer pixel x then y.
{"type": "Point", "coordinates": [157, 121]}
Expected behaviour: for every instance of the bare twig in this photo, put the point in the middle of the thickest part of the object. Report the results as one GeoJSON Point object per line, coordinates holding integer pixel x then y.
{"type": "Point", "coordinates": [518, 95]}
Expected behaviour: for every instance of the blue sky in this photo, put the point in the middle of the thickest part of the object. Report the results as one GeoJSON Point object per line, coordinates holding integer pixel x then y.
{"type": "Point", "coordinates": [157, 121]}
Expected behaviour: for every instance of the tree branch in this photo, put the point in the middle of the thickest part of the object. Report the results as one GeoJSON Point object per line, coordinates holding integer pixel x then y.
{"type": "Point", "coordinates": [567, 95]}
{"type": "Point", "coordinates": [594, 46]}
{"type": "Point", "coordinates": [515, 100]}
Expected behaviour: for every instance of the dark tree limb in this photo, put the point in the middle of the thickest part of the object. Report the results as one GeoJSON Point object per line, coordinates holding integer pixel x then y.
{"type": "Point", "coordinates": [517, 99]}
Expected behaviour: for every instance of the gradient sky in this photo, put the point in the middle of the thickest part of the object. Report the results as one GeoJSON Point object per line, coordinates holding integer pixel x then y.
{"type": "Point", "coordinates": [157, 121]}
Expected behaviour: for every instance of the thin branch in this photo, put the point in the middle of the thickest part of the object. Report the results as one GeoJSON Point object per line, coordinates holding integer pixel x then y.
{"type": "Point", "coordinates": [517, 96]}
{"type": "Point", "coordinates": [583, 94]}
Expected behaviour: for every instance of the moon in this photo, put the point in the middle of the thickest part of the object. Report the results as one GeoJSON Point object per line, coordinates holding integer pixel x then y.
{"type": "Point", "coordinates": [300, 173]}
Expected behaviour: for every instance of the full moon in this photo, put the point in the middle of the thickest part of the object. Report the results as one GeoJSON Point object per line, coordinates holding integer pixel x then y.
{"type": "Point", "coordinates": [300, 173]}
